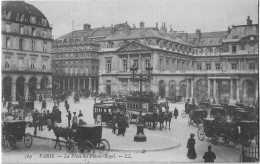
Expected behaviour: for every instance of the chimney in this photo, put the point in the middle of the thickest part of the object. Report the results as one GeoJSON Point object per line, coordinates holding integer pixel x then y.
{"type": "Point", "coordinates": [163, 28]}
{"type": "Point", "coordinates": [87, 26]}
{"type": "Point", "coordinates": [249, 21]}
{"type": "Point", "coordinates": [198, 33]}
{"type": "Point", "coordinates": [141, 24]}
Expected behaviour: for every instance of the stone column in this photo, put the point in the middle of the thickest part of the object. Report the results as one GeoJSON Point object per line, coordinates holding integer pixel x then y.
{"type": "Point", "coordinates": [128, 85]}
{"type": "Point", "coordinates": [237, 90]}
{"type": "Point", "coordinates": [64, 84]}
{"type": "Point", "coordinates": [84, 83]}
{"type": "Point", "coordinates": [231, 89]}
{"type": "Point", "coordinates": [68, 83]}
{"type": "Point", "coordinates": [90, 84]}
{"type": "Point", "coordinates": [256, 91]}
{"type": "Point", "coordinates": [73, 84]}
{"type": "Point", "coordinates": [208, 88]}
{"type": "Point", "coordinates": [13, 91]}
{"type": "Point", "coordinates": [214, 89]}
{"type": "Point", "coordinates": [167, 89]}
{"type": "Point", "coordinates": [79, 84]}
{"type": "Point", "coordinates": [139, 62]}
{"type": "Point", "coordinates": [191, 92]}
{"type": "Point", "coordinates": [38, 86]}
{"type": "Point", "coordinates": [187, 88]}
{"type": "Point", "coordinates": [95, 85]}
{"type": "Point", "coordinates": [128, 63]}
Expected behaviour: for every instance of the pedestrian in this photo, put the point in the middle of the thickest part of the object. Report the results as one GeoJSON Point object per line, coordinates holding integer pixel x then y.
{"type": "Point", "coordinates": [191, 147]}
{"type": "Point", "coordinates": [35, 121]}
{"type": "Point", "coordinates": [74, 121]}
{"type": "Point", "coordinates": [80, 114]}
{"type": "Point", "coordinates": [209, 156]}
{"type": "Point", "coordinates": [114, 122]}
{"type": "Point", "coordinates": [40, 117]}
{"type": "Point", "coordinates": [59, 116]}
{"type": "Point", "coordinates": [43, 105]}
{"type": "Point", "coordinates": [44, 117]}
{"type": "Point", "coordinates": [175, 113]}
{"type": "Point", "coordinates": [58, 102]}
{"type": "Point", "coordinates": [40, 97]}
{"type": "Point", "coordinates": [69, 118]}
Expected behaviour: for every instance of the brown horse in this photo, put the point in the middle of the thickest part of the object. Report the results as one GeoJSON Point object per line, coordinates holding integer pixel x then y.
{"type": "Point", "coordinates": [65, 133]}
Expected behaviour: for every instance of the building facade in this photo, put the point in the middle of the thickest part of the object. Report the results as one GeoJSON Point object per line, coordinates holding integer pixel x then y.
{"type": "Point", "coordinates": [221, 65]}
{"type": "Point", "coordinates": [26, 50]}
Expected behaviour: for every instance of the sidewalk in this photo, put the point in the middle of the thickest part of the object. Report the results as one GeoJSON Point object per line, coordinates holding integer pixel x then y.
{"type": "Point", "coordinates": [119, 143]}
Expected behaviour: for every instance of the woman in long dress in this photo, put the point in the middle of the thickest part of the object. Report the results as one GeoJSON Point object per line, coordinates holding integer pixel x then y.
{"type": "Point", "coordinates": [191, 147]}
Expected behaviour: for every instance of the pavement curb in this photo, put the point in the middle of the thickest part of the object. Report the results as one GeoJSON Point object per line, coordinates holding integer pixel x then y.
{"type": "Point", "coordinates": [122, 150]}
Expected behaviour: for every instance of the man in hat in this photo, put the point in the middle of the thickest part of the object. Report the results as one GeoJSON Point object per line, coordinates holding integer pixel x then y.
{"type": "Point", "coordinates": [35, 121]}
{"type": "Point", "coordinates": [175, 113]}
{"type": "Point", "coordinates": [209, 156]}
{"type": "Point", "coordinates": [74, 121]}
{"type": "Point", "coordinates": [69, 118]}
{"type": "Point", "coordinates": [191, 147]}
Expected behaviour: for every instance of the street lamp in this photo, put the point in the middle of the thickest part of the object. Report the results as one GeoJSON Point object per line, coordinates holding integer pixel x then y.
{"type": "Point", "coordinates": [140, 136]}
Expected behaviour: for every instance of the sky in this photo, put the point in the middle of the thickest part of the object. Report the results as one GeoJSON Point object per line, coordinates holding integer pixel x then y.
{"type": "Point", "coordinates": [181, 15]}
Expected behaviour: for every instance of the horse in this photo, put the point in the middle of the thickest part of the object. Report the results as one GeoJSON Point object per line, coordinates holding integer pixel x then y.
{"type": "Point", "coordinates": [161, 119]}
{"type": "Point", "coordinates": [66, 133]}
{"type": "Point", "coordinates": [76, 98]}
{"type": "Point", "coordinates": [168, 118]}
{"type": "Point", "coordinates": [148, 119]}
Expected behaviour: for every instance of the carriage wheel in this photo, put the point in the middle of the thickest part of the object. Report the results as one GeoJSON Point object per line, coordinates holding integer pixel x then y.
{"type": "Point", "coordinates": [109, 124]}
{"type": "Point", "coordinates": [183, 113]}
{"type": "Point", "coordinates": [89, 147]}
{"type": "Point", "coordinates": [246, 140]}
{"type": "Point", "coordinates": [199, 122]}
{"type": "Point", "coordinates": [69, 146]}
{"type": "Point", "coordinates": [201, 134]}
{"type": "Point", "coordinates": [257, 139]}
{"type": "Point", "coordinates": [215, 139]}
{"type": "Point", "coordinates": [104, 146]}
{"type": "Point", "coordinates": [28, 140]}
{"type": "Point", "coordinates": [11, 142]}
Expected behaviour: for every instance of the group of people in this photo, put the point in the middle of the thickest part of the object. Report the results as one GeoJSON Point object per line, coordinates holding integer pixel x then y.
{"type": "Point", "coordinates": [39, 120]}
{"type": "Point", "coordinates": [209, 156]}
{"type": "Point", "coordinates": [119, 123]}
{"type": "Point", "coordinates": [76, 120]}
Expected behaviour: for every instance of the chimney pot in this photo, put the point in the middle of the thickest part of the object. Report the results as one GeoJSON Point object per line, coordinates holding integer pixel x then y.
{"type": "Point", "coordinates": [141, 24]}
{"type": "Point", "coordinates": [87, 26]}
{"type": "Point", "coordinates": [249, 21]}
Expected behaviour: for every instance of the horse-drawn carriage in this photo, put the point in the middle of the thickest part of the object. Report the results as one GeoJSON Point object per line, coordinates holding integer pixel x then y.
{"type": "Point", "coordinates": [104, 113]}
{"type": "Point", "coordinates": [174, 99]}
{"type": "Point", "coordinates": [14, 131]}
{"type": "Point", "coordinates": [188, 109]}
{"type": "Point", "coordinates": [88, 138]}
{"type": "Point", "coordinates": [218, 111]}
{"type": "Point", "coordinates": [196, 116]}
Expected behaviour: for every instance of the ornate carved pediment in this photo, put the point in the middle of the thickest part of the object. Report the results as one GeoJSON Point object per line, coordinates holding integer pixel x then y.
{"type": "Point", "coordinates": [134, 46]}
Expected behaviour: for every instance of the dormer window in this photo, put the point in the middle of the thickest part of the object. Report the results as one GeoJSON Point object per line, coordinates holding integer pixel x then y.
{"type": "Point", "coordinates": [7, 27]}
{"type": "Point", "coordinates": [33, 31]}
{"type": "Point", "coordinates": [8, 43]}
{"type": "Point", "coordinates": [18, 17]}
{"type": "Point", "coordinates": [33, 20]}
{"type": "Point", "coordinates": [7, 14]}
{"type": "Point", "coordinates": [45, 33]}
{"type": "Point", "coordinates": [44, 22]}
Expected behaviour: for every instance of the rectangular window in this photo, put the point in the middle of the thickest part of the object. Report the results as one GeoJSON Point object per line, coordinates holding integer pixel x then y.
{"type": "Point", "coordinates": [125, 65]}
{"type": "Point", "coordinates": [108, 65]}
{"type": "Point", "coordinates": [233, 66]}
{"type": "Point", "coordinates": [8, 43]}
{"type": "Point", "coordinates": [33, 31]}
{"type": "Point", "coordinates": [33, 45]}
{"type": "Point", "coordinates": [44, 65]}
{"type": "Point", "coordinates": [234, 49]}
{"type": "Point", "coordinates": [199, 66]}
{"type": "Point", "coordinates": [33, 20]}
{"type": "Point", "coordinates": [7, 27]}
{"type": "Point", "coordinates": [160, 64]}
{"type": "Point", "coordinates": [252, 65]}
{"type": "Point", "coordinates": [7, 63]}
{"type": "Point", "coordinates": [20, 44]}
{"type": "Point", "coordinates": [20, 63]}
{"type": "Point", "coordinates": [217, 65]}
{"type": "Point", "coordinates": [21, 30]}
{"type": "Point", "coordinates": [33, 63]}
{"type": "Point", "coordinates": [71, 71]}
{"type": "Point", "coordinates": [135, 63]}
{"type": "Point", "coordinates": [67, 70]}
{"type": "Point", "coordinates": [147, 63]}
{"type": "Point", "coordinates": [208, 66]}
{"type": "Point", "coordinates": [45, 33]}
{"type": "Point", "coordinates": [44, 46]}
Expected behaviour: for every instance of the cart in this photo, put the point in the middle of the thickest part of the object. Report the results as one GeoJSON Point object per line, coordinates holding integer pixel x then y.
{"type": "Point", "coordinates": [230, 109]}
{"type": "Point", "coordinates": [218, 111]}
{"type": "Point", "coordinates": [196, 116]}
{"type": "Point", "coordinates": [104, 113]}
{"type": "Point", "coordinates": [188, 109]}
{"type": "Point", "coordinates": [88, 138]}
{"type": "Point", "coordinates": [14, 131]}
{"type": "Point", "coordinates": [248, 131]}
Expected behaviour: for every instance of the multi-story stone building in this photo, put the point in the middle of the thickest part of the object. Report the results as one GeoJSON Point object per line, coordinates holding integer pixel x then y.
{"type": "Point", "coordinates": [220, 65]}
{"type": "Point", "coordinates": [26, 50]}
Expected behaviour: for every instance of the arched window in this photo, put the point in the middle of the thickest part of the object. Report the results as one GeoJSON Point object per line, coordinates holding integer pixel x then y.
{"type": "Point", "coordinates": [7, 65]}
{"type": "Point", "coordinates": [8, 43]}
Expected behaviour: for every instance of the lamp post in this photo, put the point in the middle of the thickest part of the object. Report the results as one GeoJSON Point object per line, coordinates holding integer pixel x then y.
{"type": "Point", "coordinates": [140, 136]}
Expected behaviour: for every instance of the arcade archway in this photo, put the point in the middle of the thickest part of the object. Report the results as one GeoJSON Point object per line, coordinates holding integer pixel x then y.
{"type": "Point", "coordinates": [172, 88]}
{"type": "Point", "coordinates": [248, 91]}
{"type": "Point", "coordinates": [161, 88]}
{"type": "Point", "coordinates": [20, 88]}
{"type": "Point", "coordinates": [183, 87]}
{"type": "Point", "coordinates": [31, 87]}
{"type": "Point", "coordinates": [44, 83]}
{"type": "Point", "coordinates": [6, 86]}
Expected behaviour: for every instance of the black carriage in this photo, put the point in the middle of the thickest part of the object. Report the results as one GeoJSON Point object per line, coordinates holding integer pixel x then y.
{"type": "Point", "coordinates": [240, 105]}
{"type": "Point", "coordinates": [230, 109]}
{"type": "Point", "coordinates": [215, 111]}
{"type": "Point", "coordinates": [188, 109]}
{"type": "Point", "coordinates": [196, 116]}
{"type": "Point", "coordinates": [248, 131]}
{"type": "Point", "coordinates": [104, 113]}
{"type": "Point", "coordinates": [214, 129]}
{"type": "Point", "coordinates": [89, 138]}
{"type": "Point", "coordinates": [216, 105]}
{"type": "Point", "coordinates": [14, 131]}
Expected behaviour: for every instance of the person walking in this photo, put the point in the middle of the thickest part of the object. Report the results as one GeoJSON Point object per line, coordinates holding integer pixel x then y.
{"type": "Point", "coordinates": [43, 105]}
{"type": "Point", "coordinates": [209, 156]}
{"type": "Point", "coordinates": [35, 121]}
{"type": "Point", "coordinates": [175, 113]}
{"type": "Point", "coordinates": [40, 121]}
{"type": "Point", "coordinates": [191, 147]}
{"type": "Point", "coordinates": [74, 121]}
{"type": "Point", "coordinates": [69, 118]}
{"type": "Point", "coordinates": [80, 114]}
